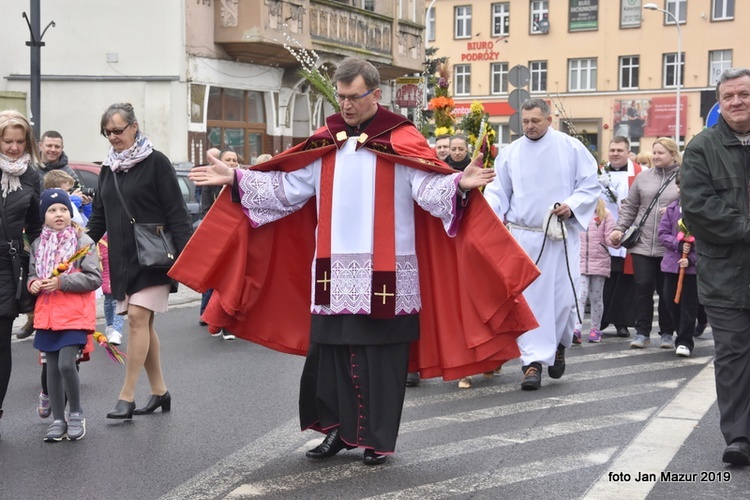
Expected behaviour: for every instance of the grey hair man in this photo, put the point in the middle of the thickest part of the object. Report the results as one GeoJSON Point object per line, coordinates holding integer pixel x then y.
{"type": "Point", "coordinates": [715, 205]}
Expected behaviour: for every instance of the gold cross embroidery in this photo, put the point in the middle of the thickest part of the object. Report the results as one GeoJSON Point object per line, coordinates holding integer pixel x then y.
{"type": "Point", "coordinates": [325, 281]}
{"type": "Point", "coordinates": [384, 294]}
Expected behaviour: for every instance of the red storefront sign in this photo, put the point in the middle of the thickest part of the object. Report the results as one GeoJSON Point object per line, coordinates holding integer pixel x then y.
{"type": "Point", "coordinates": [492, 108]}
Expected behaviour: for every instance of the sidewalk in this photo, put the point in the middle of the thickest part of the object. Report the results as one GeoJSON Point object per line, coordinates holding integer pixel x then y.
{"type": "Point", "coordinates": [185, 297]}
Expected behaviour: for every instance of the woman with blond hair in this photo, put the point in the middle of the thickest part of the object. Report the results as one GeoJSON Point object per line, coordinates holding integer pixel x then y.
{"type": "Point", "coordinates": [647, 252]}
{"type": "Point", "coordinates": [19, 206]}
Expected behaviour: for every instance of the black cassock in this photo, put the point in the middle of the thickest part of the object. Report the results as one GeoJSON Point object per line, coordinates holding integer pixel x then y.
{"type": "Point", "coordinates": [355, 377]}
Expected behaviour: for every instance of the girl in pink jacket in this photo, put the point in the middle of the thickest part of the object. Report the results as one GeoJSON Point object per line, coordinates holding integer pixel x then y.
{"type": "Point", "coordinates": [595, 268]}
{"type": "Point", "coordinates": [63, 273]}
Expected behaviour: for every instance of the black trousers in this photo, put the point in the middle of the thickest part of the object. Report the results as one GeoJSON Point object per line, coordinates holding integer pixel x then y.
{"type": "Point", "coordinates": [731, 330]}
{"type": "Point", "coordinates": [618, 294]}
{"type": "Point", "coordinates": [6, 331]}
{"type": "Point", "coordinates": [684, 313]}
{"type": "Point", "coordinates": [648, 278]}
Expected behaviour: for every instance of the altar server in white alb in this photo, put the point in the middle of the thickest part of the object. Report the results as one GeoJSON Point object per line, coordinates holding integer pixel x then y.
{"type": "Point", "coordinates": [546, 172]}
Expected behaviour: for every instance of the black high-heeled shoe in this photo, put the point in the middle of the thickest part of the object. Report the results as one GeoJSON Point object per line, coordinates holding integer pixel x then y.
{"type": "Point", "coordinates": [123, 409]}
{"type": "Point", "coordinates": [164, 401]}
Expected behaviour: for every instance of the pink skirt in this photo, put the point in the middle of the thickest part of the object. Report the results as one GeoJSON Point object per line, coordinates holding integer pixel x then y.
{"type": "Point", "coordinates": [153, 298]}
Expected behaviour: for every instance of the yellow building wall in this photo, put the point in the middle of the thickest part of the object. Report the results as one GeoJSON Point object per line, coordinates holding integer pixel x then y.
{"type": "Point", "coordinates": [594, 111]}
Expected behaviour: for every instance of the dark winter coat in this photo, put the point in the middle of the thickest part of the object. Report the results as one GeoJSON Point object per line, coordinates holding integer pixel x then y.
{"type": "Point", "coordinates": [21, 208]}
{"type": "Point", "coordinates": [715, 204]}
{"type": "Point", "coordinates": [152, 194]}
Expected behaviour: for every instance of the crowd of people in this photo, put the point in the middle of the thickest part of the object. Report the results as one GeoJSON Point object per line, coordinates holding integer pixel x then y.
{"type": "Point", "coordinates": [355, 195]}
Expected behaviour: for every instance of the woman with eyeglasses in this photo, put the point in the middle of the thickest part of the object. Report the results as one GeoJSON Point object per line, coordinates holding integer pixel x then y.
{"type": "Point", "coordinates": [149, 187]}
{"type": "Point", "coordinates": [19, 203]}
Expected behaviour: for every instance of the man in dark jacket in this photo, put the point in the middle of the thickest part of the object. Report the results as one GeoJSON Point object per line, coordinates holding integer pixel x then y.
{"type": "Point", "coordinates": [715, 206]}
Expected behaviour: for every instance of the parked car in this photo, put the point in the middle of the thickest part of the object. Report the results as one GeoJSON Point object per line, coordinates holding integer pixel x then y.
{"type": "Point", "coordinates": [88, 174]}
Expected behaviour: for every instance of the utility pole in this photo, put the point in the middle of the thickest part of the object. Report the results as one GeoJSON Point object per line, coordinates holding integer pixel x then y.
{"type": "Point", "coordinates": [36, 45]}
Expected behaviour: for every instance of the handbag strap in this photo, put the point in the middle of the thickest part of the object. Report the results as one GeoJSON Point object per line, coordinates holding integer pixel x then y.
{"type": "Point", "coordinates": [122, 200]}
{"type": "Point", "coordinates": [656, 198]}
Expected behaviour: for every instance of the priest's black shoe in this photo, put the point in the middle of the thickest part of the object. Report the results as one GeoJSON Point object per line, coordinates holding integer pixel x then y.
{"type": "Point", "coordinates": [372, 458]}
{"type": "Point", "coordinates": [622, 331]}
{"type": "Point", "coordinates": [738, 452]}
{"type": "Point", "coordinates": [331, 445]}
{"type": "Point", "coordinates": [123, 409]}
{"type": "Point", "coordinates": [164, 401]}
{"type": "Point", "coordinates": [532, 377]}
{"type": "Point", "coordinates": [557, 370]}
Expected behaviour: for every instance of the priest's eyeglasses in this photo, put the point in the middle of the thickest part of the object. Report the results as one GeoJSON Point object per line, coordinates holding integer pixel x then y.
{"type": "Point", "coordinates": [353, 99]}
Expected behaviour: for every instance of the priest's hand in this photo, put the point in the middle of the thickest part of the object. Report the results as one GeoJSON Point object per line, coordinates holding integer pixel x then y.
{"type": "Point", "coordinates": [216, 173]}
{"type": "Point", "coordinates": [475, 176]}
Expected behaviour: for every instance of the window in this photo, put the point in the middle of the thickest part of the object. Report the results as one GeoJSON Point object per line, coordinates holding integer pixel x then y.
{"type": "Point", "coordinates": [502, 133]}
{"type": "Point", "coordinates": [462, 79]}
{"type": "Point", "coordinates": [722, 10]}
{"type": "Point", "coordinates": [539, 12]}
{"type": "Point", "coordinates": [718, 61]}
{"type": "Point", "coordinates": [582, 74]}
{"type": "Point", "coordinates": [670, 70]}
{"type": "Point", "coordinates": [629, 72]}
{"type": "Point", "coordinates": [430, 28]}
{"type": "Point", "coordinates": [236, 120]}
{"type": "Point", "coordinates": [463, 22]}
{"type": "Point", "coordinates": [538, 70]}
{"type": "Point", "coordinates": [678, 8]}
{"type": "Point", "coordinates": [499, 78]}
{"type": "Point", "coordinates": [501, 19]}
{"type": "Point", "coordinates": [368, 5]}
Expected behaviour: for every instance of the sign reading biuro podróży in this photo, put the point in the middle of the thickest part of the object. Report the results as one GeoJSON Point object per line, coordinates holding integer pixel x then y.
{"type": "Point", "coordinates": [583, 15]}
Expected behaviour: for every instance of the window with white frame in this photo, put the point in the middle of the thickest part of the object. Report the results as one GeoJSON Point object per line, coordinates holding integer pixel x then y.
{"type": "Point", "coordinates": [722, 10]}
{"type": "Point", "coordinates": [539, 12]}
{"type": "Point", "coordinates": [499, 78]}
{"type": "Point", "coordinates": [462, 79]}
{"type": "Point", "coordinates": [463, 21]}
{"type": "Point", "coordinates": [678, 8]}
{"type": "Point", "coordinates": [629, 66]}
{"type": "Point", "coordinates": [718, 61]}
{"type": "Point", "coordinates": [430, 28]}
{"type": "Point", "coordinates": [670, 70]}
{"type": "Point", "coordinates": [582, 74]}
{"type": "Point", "coordinates": [501, 19]}
{"type": "Point", "coordinates": [538, 70]}
{"type": "Point", "coordinates": [502, 133]}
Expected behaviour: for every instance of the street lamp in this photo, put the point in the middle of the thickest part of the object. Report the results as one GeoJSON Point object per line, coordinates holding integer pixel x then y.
{"type": "Point", "coordinates": [653, 6]}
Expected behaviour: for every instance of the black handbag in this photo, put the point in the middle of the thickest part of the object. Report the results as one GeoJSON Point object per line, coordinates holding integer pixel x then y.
{"type": "Point", "coordinates": [633, 233]}
{"type": "Point", "coordinates": [153, 241]}
{"type": "Point", "coordinates": [19, 259]}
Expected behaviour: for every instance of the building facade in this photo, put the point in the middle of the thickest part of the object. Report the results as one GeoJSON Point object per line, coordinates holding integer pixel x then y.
{"type": "Point", "coordinates": [199, 73]}
{"type": "Point", "coordinates": [606, 67]}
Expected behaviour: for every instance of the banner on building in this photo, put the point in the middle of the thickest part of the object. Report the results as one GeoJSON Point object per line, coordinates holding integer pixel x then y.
{"type": "Point", "coordinates": [410, 92]}
{"type": "Point", "coordinates": [583, 15]}
{"type": "Point", "coordinates": [653, 117]}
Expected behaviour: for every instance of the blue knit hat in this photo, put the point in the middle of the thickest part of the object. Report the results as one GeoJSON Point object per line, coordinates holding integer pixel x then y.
{"type": "Point", "coordinates": [50, 197]}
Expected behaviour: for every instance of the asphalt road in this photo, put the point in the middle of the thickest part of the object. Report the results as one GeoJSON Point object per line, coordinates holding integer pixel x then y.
{"type": "Point", "coordinates": [617, 415]}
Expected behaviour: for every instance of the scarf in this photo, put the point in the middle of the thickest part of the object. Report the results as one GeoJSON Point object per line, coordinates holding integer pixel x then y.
{"type": "Point", "coordinates": [125, 160]}
{"type": "Point", "coordinates": [12, 170]}
{"type": "Point", "coordinates": [54, 248]}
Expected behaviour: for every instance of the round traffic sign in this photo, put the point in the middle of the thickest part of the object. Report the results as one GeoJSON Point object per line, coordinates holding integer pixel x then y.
{"type": "Point", "coordinates": [712, 118]}
{"type": "Point", "coordinates": [514, 122]}
{"type": "Point", "coordinates": [518, 97]}
{"type": "Point", "coordinates": [519, 76]}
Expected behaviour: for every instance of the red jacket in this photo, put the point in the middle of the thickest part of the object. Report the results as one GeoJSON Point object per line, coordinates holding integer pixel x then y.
{"type": "Point", "coordinates": [73, 306]}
